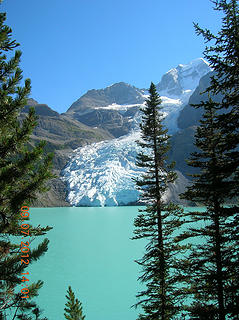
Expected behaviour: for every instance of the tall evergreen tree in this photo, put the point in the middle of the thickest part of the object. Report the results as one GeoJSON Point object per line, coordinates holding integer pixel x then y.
{"type": "Point", "coordinates": [213, 260]}
{"type": "Point", "coordinates": [23, 174]}
{"type": "Point", "coordinates": [73, 309]}
{"type": "Point", "coordinates": [158, 222]}
{"type": "Point", "coordinates": [223, 56]}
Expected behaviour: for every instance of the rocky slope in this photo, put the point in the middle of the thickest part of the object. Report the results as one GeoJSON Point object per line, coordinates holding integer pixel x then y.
{"type": "Point", "coordinates": [101, 108]}
{"type": "Point", "coordinates": [190, 116]}
{"type": "Point", "coordinates": [118, 93]}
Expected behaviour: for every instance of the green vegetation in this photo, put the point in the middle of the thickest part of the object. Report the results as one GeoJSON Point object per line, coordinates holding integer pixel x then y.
{"type": "Point", "coordinates": [73, 309]}
{"type": "Point", "coordinates": [223, 55]}
{"type": "Point", "coordinates": [214, 264]}
{"type": "Point", "coordinates": [212, 261]}
{"type": "Point", "coordinates": [160, 299]}
{"type": "Point", "coordinates": [210, 271]}
{"type": "Point", "coordinates": [23, 174]}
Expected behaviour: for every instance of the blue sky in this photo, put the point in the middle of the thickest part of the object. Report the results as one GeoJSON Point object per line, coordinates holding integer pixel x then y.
{"type": "Point", "coordinates": [71, 46]}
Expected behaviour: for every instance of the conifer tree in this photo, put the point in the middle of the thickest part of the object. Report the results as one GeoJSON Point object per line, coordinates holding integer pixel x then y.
{"type": "Point", "coordinates": [223, 56]}
{"type": "Point", "coordinates": [213, 262]}
{"type": "Point", "coordinates": [223, 52]}
{"type": "Point", "coordinates": [23, 174]}
{"type": "Point", "coordinates": [159, 220]}
{"type": "Point", "coordinates": [73, 309]}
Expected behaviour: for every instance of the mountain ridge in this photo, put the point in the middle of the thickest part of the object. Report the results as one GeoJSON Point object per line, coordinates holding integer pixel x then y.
{"type": "Point", "coordinates": [110, 114]}
{"type": "Point", "coordinates": [101, 174]}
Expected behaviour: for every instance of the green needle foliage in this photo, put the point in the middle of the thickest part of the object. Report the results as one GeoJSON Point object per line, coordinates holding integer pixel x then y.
{"type": "Point", "coordinates": [223, 56]}
{"type": "Point", "coordinates": [218, 184]}
{"type": "Point", "coordinates": [23, 174]}
{"type": "Point", "coordinates": [158, 221]}
{"type": "Point", "coordinates": [73, 309]}
{"type": "Point", "coordinates": [213, 262]}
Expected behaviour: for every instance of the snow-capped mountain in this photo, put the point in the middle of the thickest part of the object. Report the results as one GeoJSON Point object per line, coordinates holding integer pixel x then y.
{"type": "Point", "coordinates": [176, 87]}
{"type": "Point", "coordinates": [182, 80]}
{"type": "Point", "coordinates": [101, 173]}
{"type": "Point", "coordinates": [113, 108]}
{"type": "Point", "coordinates": [119, 93]}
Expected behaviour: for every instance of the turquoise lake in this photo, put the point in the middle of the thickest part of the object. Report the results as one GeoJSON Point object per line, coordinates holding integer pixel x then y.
{"type": "Point", "coordinates": [91, 250]}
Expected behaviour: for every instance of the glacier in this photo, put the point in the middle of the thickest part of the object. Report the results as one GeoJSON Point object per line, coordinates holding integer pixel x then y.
{"type": "Point", "coordinates": [101, 174]}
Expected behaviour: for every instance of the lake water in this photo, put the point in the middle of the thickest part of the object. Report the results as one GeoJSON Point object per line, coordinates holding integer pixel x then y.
{"type": "Point", "coordinates": [90, 249]}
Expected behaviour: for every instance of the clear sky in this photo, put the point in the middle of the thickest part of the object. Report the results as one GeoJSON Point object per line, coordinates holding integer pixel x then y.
{"type": "Point", "coordinates": [71, 46]}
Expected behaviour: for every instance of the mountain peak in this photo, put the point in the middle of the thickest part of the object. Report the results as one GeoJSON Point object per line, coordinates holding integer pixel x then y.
{"type": "Point", "coordinates": [199, 62]}
{"type": "Point", "coordinates": [177, 83]}
{"type": "Point", "coordinates": [118, 93]}
{"type": "Point", "coordinates": [40, 109]}
{"type": "Point", "coordinates": [119, 84]}
{"type": "Point", "coordinates": [31, 102]}
{"type": "Point", "coordinates": [183, 79]}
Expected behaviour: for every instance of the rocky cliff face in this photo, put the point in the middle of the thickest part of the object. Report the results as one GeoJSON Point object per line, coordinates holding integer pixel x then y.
{"type": "Point", "coordinates": [61, 132]}
{"type": "Point", "coordinates": [190, 116]}
{"type": "Point", "coordinates": [118, 93]}
{"type": "Point", "coordinates": [103, 108]}
{"type": "Point", "coordinates": [188, 120]}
